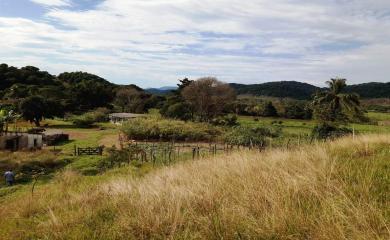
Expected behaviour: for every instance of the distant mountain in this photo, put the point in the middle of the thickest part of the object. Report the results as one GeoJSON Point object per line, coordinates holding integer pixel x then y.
{"type": "Point", "coordinates": [304, 91]}
{"type": "Point", "coordinates": [161, 90]}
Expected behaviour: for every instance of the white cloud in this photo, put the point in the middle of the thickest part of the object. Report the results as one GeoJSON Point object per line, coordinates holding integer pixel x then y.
{"type": "Point", "coordinates": [155, 42]}
{"type": "Point", "coordinates": [52, 3]}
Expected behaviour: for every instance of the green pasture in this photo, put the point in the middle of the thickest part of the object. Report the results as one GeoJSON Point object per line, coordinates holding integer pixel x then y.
{"type": "Point", "coordinates": [291, 127]}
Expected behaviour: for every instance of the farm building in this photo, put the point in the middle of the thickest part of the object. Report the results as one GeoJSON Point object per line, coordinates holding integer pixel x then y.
{"type": "Point", "coordinates": [119, 118]}
{"type": "Point", "coordinates": [15, 141]}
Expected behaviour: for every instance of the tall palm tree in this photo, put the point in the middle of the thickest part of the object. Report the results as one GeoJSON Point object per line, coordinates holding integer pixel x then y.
{"type": "Point", "coordinates": [333, 105]}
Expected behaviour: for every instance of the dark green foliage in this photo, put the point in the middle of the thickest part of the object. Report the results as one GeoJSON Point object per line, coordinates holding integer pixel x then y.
{"type": "Point", "coordinates": [179, 110]}
{"type": "Point", "coordinates": [329, 131]}
{"type": "Point", "coordinates": [284, 89]}
{"type": "Point", "coordinates": [27, 75]}
{"type": "Point", "coordinates": [88, 91]}
{"type": "Point", "coordinates": [74, 92]}
{"type": "Point", "coordinates": [335, 106]}
{"type": "Point", "coordinates": [304, 91]}
{"type": "Point", "coordinates": [269, 110]}
{"type": "Point", "coordinates": [246, 136]}
{"type": "Point", "coordinates": [255, 108]}
{"type": "Point", "coordinates": [370, 90]}
{"type": "Point", "coordinates": [36, 108]}
{"type": "Point", "coordinates": [229, 120]}
{"type": "Point", "coordinates": [297, 110]}
{"type": "Point", "coordinates": [175, 106]}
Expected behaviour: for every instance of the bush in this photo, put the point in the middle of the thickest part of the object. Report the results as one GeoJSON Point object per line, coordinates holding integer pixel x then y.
{"type": "Point", "coordinates": [297, 110]}
{"type": "Point", "coordinates": [265, 109]}
{"type": "Point", "coordinates": [83, 121]}
{"type": "Point", "coordinates": [229, 120]}
{"type": "Point", "coordinates": [246, 136]}
{"type": "Point", "coordinates": [168, 130]}
{"type": "Point", "coordinates": [178, 111]}
{"type": "Point", "coordinates": [88, 119]}
{"type": "Point", "coordinates": [329, 131]}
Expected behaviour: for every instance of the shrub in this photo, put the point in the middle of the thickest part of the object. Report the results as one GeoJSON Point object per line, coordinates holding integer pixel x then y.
{"type": "Point", "coordinates": [88, 119]}
{"type": "Point", "coordinates": [83, 121]}
{"type": "Point", "coordinates": [297, 110]}
{"type": "Point", "coordinates": [329, 131]}
{"type": "Point", "coordinates": [229, 120]}
{"type": "Point", "coordinates": [165, 129]}
{"type": "Point", "coordinates": [246, 136]}
{"type": "Point", "coordinates": [178, 111]}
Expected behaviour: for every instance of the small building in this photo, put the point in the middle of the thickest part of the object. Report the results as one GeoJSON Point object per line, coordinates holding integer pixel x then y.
{"type": "Point", "coordinates": [119, 118]}
{"type": "Point", "coordinates": [16, 141]}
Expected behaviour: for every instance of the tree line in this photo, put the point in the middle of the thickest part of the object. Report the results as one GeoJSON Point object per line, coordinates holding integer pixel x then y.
{"type": "Point", "coordinates": [36, 95]}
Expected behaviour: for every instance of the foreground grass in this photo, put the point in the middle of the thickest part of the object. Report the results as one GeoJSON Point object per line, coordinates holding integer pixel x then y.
{"type": "Point", "coordinates": [336, 190]}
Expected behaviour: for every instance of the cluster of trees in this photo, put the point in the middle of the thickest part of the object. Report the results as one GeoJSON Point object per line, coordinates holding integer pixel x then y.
{"type": "Point", "coordinates": [292, 109]}
{"type": "Point", "coordinates": [203, 100]}
{"type": "Point", "coordinates": [135, 100]}
{"type": "Point", "coordinates": [37, 94]}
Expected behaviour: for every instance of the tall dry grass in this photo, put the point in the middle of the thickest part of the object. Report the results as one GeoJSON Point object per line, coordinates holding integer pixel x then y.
{"type": "Point", "coordinates": [325, 191]}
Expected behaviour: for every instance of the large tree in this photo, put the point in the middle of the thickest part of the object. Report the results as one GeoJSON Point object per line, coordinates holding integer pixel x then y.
{"type": "Point", "coordinates": [133, 99]}
{"type": "Point", "coordinates": [125, 97]}
{"type": "Point", "coordinates": [208, 97]}
{"type": "Point", "coordinates": [36, 108]}
{"type": "Point", "coordinates": [332, 105]}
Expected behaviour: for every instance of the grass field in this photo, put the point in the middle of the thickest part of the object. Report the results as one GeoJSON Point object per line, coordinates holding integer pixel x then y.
{"type": "Point", "coordinates": [293, 127]}
{"type": "Point", "coordinates": [335, 190]}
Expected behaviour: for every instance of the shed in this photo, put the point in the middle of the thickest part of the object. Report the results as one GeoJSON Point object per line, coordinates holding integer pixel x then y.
{"type": "Point", "coordinates": [119, 118]}
{"type": "Point", "coordinates": [15, 141]}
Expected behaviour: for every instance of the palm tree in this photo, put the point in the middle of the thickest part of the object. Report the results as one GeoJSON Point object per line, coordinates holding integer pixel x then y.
{"type": "Point", "coordinates": [333, 105]}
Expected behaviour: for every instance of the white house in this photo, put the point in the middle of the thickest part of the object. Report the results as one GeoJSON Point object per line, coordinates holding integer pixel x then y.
{"type": "Point", "coordinates": [119, 118]}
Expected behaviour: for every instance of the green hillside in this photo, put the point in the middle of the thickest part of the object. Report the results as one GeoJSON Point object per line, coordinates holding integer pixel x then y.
{"type": "Point", "coordinates": [304, 91]}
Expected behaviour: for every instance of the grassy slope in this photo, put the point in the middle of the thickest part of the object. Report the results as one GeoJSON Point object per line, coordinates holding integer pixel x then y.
{"type": "Point", "coordinates": [326, 191]}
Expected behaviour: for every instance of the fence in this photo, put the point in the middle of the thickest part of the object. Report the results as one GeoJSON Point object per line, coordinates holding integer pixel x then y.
{"type": "Point", "coordinates": [88, 151]}
{"type": "Point", "coordinates": [166, 153]}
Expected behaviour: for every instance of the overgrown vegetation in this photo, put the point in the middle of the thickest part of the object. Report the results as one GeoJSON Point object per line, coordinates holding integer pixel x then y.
{"type": "Point", "coordinates": [88, 119]}
{"type": "Point", "coordinates": [250, 137]}
{"type": "Point", "coordinates": [334, 109]}
{"type": "Point", "coordinates": [155, 128]}
{"type": "Point", "coordinates": [333, 190]}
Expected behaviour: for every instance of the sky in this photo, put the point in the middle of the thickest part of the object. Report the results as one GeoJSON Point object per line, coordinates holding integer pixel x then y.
{"type": "Point", "coordinates": [153, 43]}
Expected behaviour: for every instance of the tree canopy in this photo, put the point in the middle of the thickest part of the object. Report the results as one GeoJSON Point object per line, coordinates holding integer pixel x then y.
{"type": "Point", "coordinates": [333, 105]}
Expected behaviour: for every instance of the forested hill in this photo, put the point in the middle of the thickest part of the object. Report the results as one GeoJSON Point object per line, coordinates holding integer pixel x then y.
{"type": "Point", "coordinates": [304, 91]}
{"type": "Point", "coordinates": [285, 89]}
{"type": "Point", "coordinates": [71, 92]}
{"type": "Point", "coordinates": [371, 90]}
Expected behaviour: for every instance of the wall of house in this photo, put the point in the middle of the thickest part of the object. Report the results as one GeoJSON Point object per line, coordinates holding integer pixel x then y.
{"type": "Point", "coordinates": [26, 141]}
{"type": "Point", "coordinates": [34, 141]}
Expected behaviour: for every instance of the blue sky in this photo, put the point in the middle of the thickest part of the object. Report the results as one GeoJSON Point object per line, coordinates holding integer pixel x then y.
{"type": "Point", "coordinates": [153, 43]}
